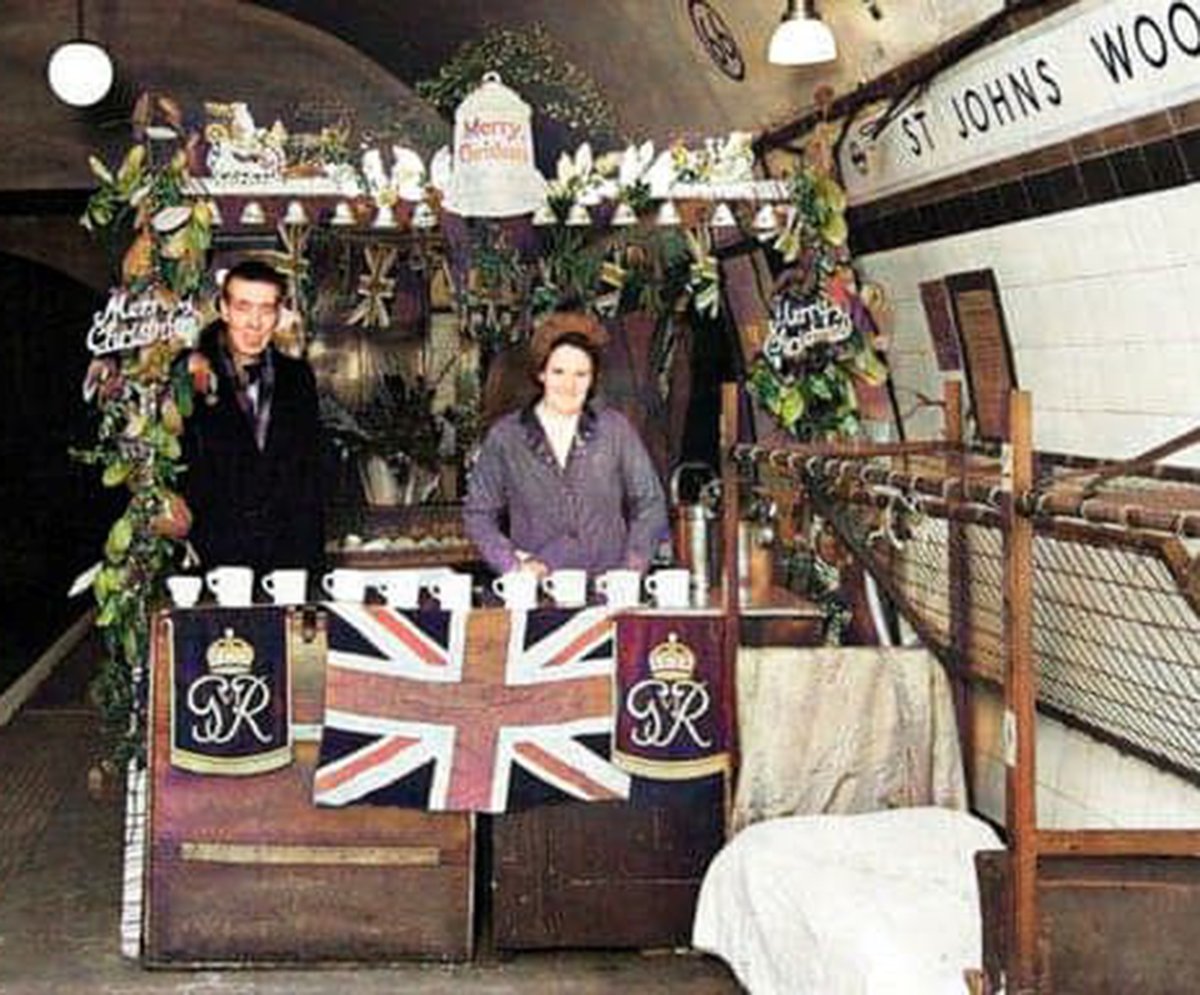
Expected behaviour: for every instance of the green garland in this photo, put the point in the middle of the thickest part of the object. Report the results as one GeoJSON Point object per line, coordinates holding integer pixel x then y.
{"type": "Point", "coordinates": [814, 397]}
{"type": "Point", "coordinates": [530, 61]}
{"type": "Point", "coordinates": [142, 396]}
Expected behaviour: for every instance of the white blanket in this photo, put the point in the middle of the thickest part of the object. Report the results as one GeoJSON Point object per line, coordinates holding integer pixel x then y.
{"type": "Point", "coordinates": [880, 903]}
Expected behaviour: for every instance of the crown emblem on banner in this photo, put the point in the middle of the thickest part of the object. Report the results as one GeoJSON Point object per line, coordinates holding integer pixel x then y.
{"type": "Point", "coordinates": [672, 660]}
{"type": "Point", "coordinates": [230, 655]}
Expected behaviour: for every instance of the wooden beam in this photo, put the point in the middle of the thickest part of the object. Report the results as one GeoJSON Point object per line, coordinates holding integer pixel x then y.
{"type": "Point", "coordinates": [1119, 843]}
{"type": "Point", "coordinates": [1020, 694]}
{"type": "Point", "coordinates": [959, 581]}
{"type": "Point", "coordinates": [790, 455]}
{"type": "Point", "coordinates": [730, 587]}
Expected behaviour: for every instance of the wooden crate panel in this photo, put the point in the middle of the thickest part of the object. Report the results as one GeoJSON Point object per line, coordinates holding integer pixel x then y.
{"type": "Point", "coordinates": [1107, 926]}
{"type": "Point", "coordinates": [603, 875]}
{"type": "Point", "coordinates": [247, 869]}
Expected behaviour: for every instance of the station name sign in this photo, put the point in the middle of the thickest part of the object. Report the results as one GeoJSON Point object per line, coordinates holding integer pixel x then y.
{"type": "Point", "coordinates": [1072, 73]}
{"type": "Point", "coordinates": [130, 321]}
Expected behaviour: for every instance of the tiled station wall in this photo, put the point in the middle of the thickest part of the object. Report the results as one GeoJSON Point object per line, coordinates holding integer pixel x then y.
{"type": "Point", "coordinates": [1082, 783]}
{"type": "Point", "coordinates": [1095, 246]}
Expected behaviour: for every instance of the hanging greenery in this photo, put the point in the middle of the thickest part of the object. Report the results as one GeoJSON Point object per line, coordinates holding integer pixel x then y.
{"type": "Point", "coordinates": [142, 396]}
{"type": "Point", "coordinates": [529, 60]}
{"type": "Point", "coordinates": [822, 340]}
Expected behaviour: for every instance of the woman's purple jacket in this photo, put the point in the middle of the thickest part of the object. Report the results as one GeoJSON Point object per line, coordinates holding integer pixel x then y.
{"type": "Point", "coordinates": [605, 509]}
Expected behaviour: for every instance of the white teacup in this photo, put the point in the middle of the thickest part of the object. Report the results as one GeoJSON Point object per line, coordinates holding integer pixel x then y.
{"type": "Point", "coordinates": [669, 588]}
{"type": "Point", "coordinates": [620, 588]}
{"type": "Point", "coordinates": [287, 586]}
{"type": "Point", "coordinates": [400, 588]}
{"type": "Point", "coordinates": [232, 586]}
{"type": "Point", "coordinates": [452, 590]}
{"type": "Point", "coordinates": [184, 590]}
{"type": "Point", "coordinates": [568, 588]}
{"type": "Point", "coordinates": [345, 584]}
{"type": "Point", "coordinates": [518, 589]}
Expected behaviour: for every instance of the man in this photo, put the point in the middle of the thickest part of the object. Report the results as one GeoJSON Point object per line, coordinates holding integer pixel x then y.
{"type": "Point", "coordinates": [252, 455]}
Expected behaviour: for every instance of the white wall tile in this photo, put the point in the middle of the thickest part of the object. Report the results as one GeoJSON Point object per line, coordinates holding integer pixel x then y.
{"type": "Point", "coordinates": [1100, 306]}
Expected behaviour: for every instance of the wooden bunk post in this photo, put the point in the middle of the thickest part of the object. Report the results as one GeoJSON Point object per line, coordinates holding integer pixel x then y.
{"type": "Point", "coordinates": [959, 580]}
{"type": "Point", "coordinates": [730, 588]}
{"type": "Point", "coordinates": [1020, 693]}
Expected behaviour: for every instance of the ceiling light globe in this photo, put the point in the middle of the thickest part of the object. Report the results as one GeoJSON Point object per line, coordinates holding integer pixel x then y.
{"type": "Point", "coordinates": [801, 41]}
{"type": "Point", "coordinates": [80, 73]}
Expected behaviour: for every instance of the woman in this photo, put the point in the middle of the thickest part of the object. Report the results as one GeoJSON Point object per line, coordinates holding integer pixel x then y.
{"type": "Point", "coordinates": [571, 480]}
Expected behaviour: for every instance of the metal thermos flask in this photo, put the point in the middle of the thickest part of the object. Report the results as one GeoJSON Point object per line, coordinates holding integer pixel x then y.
{"type": "Point", "coordinates": [693, 525]}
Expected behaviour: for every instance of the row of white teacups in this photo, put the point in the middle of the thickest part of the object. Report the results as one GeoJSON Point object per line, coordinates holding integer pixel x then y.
{"type": "Point", "coordinates": [233, 587]}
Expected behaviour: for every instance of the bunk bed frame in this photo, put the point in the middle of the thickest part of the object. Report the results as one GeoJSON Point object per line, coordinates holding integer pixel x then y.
{"type": "Point", "coordinates": [1028, 563]}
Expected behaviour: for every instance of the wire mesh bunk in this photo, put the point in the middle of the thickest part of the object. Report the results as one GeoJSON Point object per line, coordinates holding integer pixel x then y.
{"type": "Point", "coordinates": [1116, 616]}
{"type": "Point", "coordinates": [1071, 585]}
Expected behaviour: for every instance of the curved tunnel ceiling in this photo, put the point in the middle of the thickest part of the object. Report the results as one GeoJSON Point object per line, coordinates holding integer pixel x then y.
{"type": "Point", "coordinates": [654, 58]}
{"type": "Point", "coordinates": [195, 51]}
{"type": "Point", "coordinates": [648, 57]}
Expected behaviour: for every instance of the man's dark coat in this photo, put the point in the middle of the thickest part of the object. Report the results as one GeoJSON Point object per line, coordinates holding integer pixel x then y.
{"type": "Point", "coordinates": [261, 509]}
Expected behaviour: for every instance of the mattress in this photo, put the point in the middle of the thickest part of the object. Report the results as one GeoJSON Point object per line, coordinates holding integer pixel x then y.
{"type": "Point", "coordinates": [864, 904]}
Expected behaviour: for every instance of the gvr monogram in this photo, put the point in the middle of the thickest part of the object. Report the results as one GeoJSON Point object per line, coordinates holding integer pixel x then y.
{"type": "Point", "coordinates": [225, 704]}
{"type": "Point", "coordinates": [666, 710]}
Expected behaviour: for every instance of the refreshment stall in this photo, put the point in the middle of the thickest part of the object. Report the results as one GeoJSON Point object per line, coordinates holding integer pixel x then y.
{"type": "Point", "coordinates": [379, 760]}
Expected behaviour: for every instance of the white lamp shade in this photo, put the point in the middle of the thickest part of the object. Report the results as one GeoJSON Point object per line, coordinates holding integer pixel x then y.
{"type": "Point", "coordinates": [801, 41]}
{"type": "Point", "coordinates": [80, 73]}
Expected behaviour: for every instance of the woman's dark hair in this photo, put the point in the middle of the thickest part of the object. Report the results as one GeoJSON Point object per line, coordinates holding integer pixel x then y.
{"type": "Point", "coordinates": [580, 341]}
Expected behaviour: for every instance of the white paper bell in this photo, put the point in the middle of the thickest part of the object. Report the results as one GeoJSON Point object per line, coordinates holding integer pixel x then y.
{"type": "Point", "coordinates": [624, 216]}
{"type": "Point", "coordinates": [765, 221]}
{"type": "Point", "coordinates": [423, 216]}
{"type": "Point", "coordinates": [578, 217]}
{"type": "Point", "coordinates": [253, 214]}
{"type": "Point", "coordinates": [342, 215]}
{"type": "Point", "coordinates": [544, 216]}
{"type": "Point", "coordinates": [385, 217]}
{"type": "Point", "coordinates": [722, 217]}
{"type": "Point", "coordinates": [295, 214]}
{"type": "Point", "coordinates": [668, 214]}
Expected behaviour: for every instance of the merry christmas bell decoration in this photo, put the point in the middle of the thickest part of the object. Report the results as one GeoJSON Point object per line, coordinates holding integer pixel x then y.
{"type": "Point", "coordinates": [494, 170]}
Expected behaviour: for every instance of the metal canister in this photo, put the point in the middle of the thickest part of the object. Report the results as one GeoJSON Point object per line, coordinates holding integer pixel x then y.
{"type": "Point", "coordinates": [697, 519]}
{"type": "Point", "coordinates": [693, 526]}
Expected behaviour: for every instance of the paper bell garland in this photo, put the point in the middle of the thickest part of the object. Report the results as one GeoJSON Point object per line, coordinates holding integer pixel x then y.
{"type": "Point", "coordinates": [668, 214]}
{"type": "Point", "coordinates": [624, 216]}
{"type": "Point", "coordinates": [253, 214]}
{"type": "Point", "coordinates": [424, 216]}
{"type": "Point", "coordinates": [376, 288]}
{"type": "Point", "coordinates": [766, 222]}
{"type": "Point", "coordinates": [295, 214]}
{"type": "Point", "coordinates": [544, 216]}
{"type": "Point", "coordinates": [722, 217]}
{"type": "Point", "coordinates": [385, 217]}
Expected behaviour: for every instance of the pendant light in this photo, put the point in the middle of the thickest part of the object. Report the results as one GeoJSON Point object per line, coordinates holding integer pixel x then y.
{"type": "Point", "coordinates": [80, 72]}
{"type": "Point", "coordinates": [802, 38]}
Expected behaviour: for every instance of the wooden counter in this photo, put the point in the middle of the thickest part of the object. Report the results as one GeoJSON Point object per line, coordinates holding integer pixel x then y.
{"type": "Point", "coordinates": [624, 874]}
{"type": "Point", "coordinates": [248, 869]}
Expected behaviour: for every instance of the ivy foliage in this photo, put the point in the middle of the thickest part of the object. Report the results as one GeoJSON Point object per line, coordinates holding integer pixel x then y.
{"type": "Point", "coordinates": [530, 61]}
{"type": "Point", "coordinates": [814, 396]}
{"type": "Point", "coordinates": [142, 396]}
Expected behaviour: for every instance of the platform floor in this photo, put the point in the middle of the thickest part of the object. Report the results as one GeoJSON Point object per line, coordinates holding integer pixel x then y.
{"type": "Point", "coordinates": [60, 876]}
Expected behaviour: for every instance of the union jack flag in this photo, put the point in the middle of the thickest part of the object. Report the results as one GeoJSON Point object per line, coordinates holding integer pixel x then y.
{"type": "Point", "coordinates": [478, 711]}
